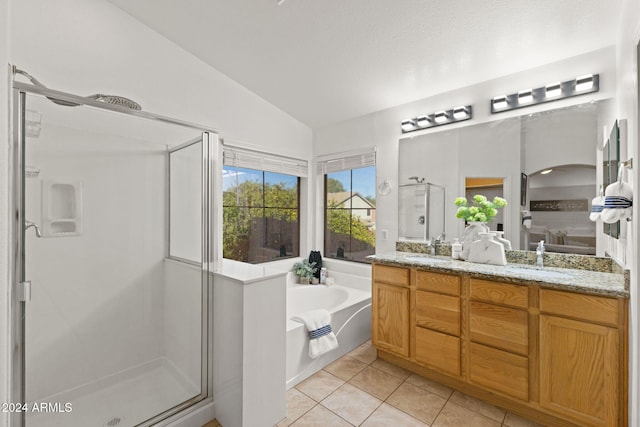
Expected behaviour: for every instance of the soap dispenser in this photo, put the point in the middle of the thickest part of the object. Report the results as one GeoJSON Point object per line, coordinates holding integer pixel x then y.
{"type": "Point", "coordinates": [456, 248]}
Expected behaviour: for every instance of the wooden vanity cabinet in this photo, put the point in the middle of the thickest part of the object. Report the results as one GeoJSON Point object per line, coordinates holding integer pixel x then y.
{"type": "Point", "coordinates": [556, 356]}
{"type": "Point", "coordinates": [390, 309]}
{"type": "Point", "coordinates": [580, 358]}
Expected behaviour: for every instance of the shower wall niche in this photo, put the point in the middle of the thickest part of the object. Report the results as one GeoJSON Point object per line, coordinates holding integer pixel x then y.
{"type": "Point", "coordinates": [61, 208]}
{"type": "Point", "coordinates": [421, 211]}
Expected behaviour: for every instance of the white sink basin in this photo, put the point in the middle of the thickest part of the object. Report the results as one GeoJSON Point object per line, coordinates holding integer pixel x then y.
{"type": "Point", "coordinates": [538, 273]}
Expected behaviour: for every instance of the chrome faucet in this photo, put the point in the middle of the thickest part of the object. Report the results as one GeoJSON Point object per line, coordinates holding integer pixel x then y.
{"type": "Point", "coordinates": [539, 254]}
{"type": "Point", "coordinates": [431, 244]}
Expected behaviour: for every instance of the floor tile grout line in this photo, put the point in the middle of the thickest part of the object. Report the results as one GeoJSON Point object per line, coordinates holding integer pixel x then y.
{"type": "Point", "coordinates": [381, 402]}
{"type": "Point", "coordinates": [337, 415]}
{"type": "Point", "coordinates": [353, 385]}
{"type": "Point", "coordinates": [473, 410]}
{"type": "Point", "coordinates": [400, 409]}
{"type": "Point", "coordinates": [316, 403]}
{"type": "Point", "coordinates": [372, 412]}
{"type": "Point", "coordinates": [442, 409]}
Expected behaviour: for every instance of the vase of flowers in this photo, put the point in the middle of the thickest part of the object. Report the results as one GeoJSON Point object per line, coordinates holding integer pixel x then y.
{"type": "Point", "coordinates": [476, 217]}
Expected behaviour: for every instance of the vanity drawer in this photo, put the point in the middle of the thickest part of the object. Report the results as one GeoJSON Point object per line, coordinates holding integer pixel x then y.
{"type": "Point", "coordinates": [591, 308]}
{"type": "Point", "coordinates": [438, 351]}
{"type": "Point", "coordinates": [501, 327]}
{"type": "Point", "coordinates": [499, 370]}
{"type": "Point", "coordinates": [499, 293]}
{"type": "Point", "coordinates": [393, 275]}
{"type": "Point", "coordinates": [438, 312]}
{"type": "Point", "coordinates": [438, 282]}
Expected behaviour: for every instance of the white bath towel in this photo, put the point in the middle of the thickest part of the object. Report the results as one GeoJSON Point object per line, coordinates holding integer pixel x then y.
{"type": "Point", "coordinates": [321, 338]}
{"type": "Point", "coordinates": [597, 204]}
{"type": "Point", "coordinates": [618, 200]}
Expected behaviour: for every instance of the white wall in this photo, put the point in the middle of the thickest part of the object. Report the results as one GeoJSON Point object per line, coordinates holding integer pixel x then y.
{"type": "Point", "coordinates": [382, 129]}
{"type": "Point", "coordinates": [571, 135]}
{"type": "Point", "coordinates": [627, 107]}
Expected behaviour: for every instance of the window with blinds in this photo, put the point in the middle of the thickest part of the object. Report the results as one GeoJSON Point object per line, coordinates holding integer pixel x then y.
{"type": "Point", "coordinates": [251, 159]}
{"type": "Point", "coordinates": [261, 205]}
{"type": "Point", "coordinates": [350, 204]}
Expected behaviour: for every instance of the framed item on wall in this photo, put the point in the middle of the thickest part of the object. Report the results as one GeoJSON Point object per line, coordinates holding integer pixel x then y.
{"type": "Point", "coordinates": [523, 189]}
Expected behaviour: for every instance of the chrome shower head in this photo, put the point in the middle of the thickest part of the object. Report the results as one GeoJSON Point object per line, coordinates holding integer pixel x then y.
{"type": "Point", "coordinates": [116, 100]}
{"type": "Point", "coordinates": [108, 99]}
{"type": "Point", "coordinates": [418, 180]}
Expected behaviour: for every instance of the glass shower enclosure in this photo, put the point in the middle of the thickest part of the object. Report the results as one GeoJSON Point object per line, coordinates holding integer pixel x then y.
{"type": "Point", "coordinates": [112, 238]}
{"type": "Point", "coordinates": [421, 210]}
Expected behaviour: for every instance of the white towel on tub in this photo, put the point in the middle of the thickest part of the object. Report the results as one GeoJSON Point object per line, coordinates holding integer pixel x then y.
{"type": "Point", "coordinates": [321, 338]}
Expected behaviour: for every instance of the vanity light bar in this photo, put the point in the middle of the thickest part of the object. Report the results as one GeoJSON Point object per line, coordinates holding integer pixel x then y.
{"type": "Point", "coordinates": [551, 92]}
{"type": "Point", "coordinates": [439, 118]}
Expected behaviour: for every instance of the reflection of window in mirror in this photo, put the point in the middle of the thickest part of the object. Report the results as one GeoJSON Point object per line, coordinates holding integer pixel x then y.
{"type": "Point", "coordinates": [489, 187]}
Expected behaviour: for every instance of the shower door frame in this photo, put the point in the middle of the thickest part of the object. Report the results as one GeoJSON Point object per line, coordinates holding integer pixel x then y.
{"type": "Point", "coordinates": [19, 294]}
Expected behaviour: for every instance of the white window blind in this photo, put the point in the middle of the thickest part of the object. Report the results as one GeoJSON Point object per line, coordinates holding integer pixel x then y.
{"type": "Point", "coordinates": [258, 160]}
{"type": "Point", "coordinates": [346, 160]}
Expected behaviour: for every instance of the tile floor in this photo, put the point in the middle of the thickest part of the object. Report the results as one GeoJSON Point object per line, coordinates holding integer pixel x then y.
{"type": "Point", "coordinates": [361, 390]}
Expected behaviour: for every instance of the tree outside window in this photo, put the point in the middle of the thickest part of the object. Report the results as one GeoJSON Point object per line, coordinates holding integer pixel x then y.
{"type": "Point", "coordinates": [350, 214]}
{"type": "Point", "coordinates": [261, 212]}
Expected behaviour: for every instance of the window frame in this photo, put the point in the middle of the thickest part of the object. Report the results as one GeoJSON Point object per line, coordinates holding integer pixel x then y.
{"type": "Point", "coordinates": [264, 208]}
{"type": "Point", "coordinates": [350, 209]}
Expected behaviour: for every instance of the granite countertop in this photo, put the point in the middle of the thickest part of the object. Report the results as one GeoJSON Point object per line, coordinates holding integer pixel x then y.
{"type": "Point", "coordinates": [593, 282]}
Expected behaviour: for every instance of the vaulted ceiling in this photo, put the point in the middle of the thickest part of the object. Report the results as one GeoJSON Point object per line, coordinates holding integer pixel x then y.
{"type": "Point", "coordinates": [325, 61]}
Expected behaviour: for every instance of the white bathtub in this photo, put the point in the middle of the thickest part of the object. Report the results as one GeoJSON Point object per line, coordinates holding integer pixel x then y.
{"type": "Point", "coordinates": [350, 310]}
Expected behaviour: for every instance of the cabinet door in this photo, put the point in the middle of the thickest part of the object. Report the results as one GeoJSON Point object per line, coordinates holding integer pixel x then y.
{"type": "Point", "coordinates": [391, 318]}
{"type": "Point", "coordinates": [579, 370]}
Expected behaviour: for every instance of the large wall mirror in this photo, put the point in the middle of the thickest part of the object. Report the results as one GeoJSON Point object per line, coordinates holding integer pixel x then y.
{"type": "Point", "coordinates": [543, 163]}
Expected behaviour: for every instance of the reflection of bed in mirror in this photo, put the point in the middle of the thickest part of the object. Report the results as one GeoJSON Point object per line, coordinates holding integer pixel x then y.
{"type": "Point", "coordinates": [574, 240]}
